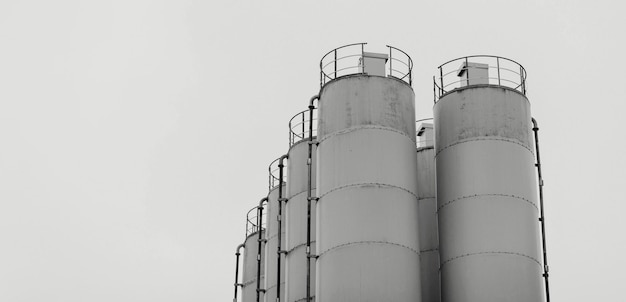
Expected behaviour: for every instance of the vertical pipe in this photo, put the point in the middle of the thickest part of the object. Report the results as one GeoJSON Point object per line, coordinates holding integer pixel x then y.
{"type": "Point", "coordinates": [335, 63]}
{"type": "Point", "coordinates": [498, 64]}
{"type": "Point", "coordinates": [542, 217]}
{"type": "Point", "coordinates": [280, 222]}
{"type": "Point", "coordinates": [441, 81]}
{"type": "Point", "coordinates": [309, 198]}
{"type": "Point", "coordinates": [467, 71]}
{"type": "Point", "coordinates": [390, 61]}
{"type": "Point", "coordinates": [434, 90]}
{"type": "Point", "coordinates": [259, 220]}
{"type": "Point", "coordinates": [237, 270]}
{"type": "Point", "coordinates": [362, 58]}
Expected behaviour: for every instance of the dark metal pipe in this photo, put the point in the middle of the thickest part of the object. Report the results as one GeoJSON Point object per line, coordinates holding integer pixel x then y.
{"type": "Point", "coordinates": [280, 221]}
{"type": "Point", "coordinates": [309, 198]}
{"type": "Point", "coordinates": [542, 218]}
{"type": "Point", "coordinates": [260, 240]}
{"type": "Point", "coordinates": [237, 270]}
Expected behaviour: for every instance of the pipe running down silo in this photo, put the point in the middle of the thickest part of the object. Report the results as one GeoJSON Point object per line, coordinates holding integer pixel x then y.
{"type": "Point", "coordinates": [237, 284]}
{"type": "Point", "coordinates": [486, 193]}
{"type": "Point", "coordinates": [254, 234]}
{"type": "Point", "coordinates": [260, 241]}
{"type": "Point", "coordinates": [274, 232]}
{"type": "Point", "coordinates": [300, 229]}
{"type": "Point", "coordinates": [542, 218]}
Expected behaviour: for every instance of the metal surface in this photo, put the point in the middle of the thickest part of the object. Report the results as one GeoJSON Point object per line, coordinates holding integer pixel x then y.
{"type": "Point", "coordinates": [271, 247]}
{"type": "Point", "coordinates": [486, 196]}
{"type": "Point", "coordinates": [367, 221]}
{"type": "Point", "coordinates": [249, 278]}
{"type": "Point", "coordinates": [428, 234]}
{"type": "Point", "coordinates": [296, 217]}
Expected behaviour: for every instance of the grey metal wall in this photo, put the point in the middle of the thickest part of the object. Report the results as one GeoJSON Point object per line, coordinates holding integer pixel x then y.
{"type": "Point", "coordinates": [271, 247]}
{"type": "Point", "coordinates": [486, 196]}
{"type": "Point", "coordinates": [367, 223]}
{"type": "Point", "coordinates": [248, 289]}
{"type": "Point", "coordinates": [296, 220]}
{"type": "Point", "coordinates": [428, 235]}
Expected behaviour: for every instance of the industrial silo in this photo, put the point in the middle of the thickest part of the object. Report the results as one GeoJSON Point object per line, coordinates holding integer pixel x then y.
{"type": "Point", "coordinates": [296, 208]}
{"type": "Point", "coordinates": [486, 186]}
{"type": "Point", "coordinates": [250, 261]}
{"type": "Point", "coordinates": [367, 212]}
{"type": "Point", "coordinates": [271, 245]}
{"type": "Point", "coordinates": [426, 193]}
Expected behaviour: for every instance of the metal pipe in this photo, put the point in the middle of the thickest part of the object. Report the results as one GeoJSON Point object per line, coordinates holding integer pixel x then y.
{"type": "Point", "coordinates": [280, 222]}
{"type": "Point", "coordinates": [309, 198]}
{"type": "Point", "coordinates": [259, 220]}
{"type": "Point", "coordinates": [542, 217]}
{"type": "Point", "coordinates": [237, 270]}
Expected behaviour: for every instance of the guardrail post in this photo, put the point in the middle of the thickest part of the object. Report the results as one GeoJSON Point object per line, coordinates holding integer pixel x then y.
{"type": "Point", "coordinates": [498, 64]}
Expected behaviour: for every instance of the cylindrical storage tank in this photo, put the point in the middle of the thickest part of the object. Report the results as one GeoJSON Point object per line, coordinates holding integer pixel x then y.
{"type": "Point", "coordinates": [428, 236]}
{"type": "Point", "coordinates": [486, 187]}
{"type": "Point", "coordinates": [367, 213]}
{"type": "Point", "coordinates": [296, 210]}
{"type": "Point", "coordinates": [271, 248]}
{"type": "Point", "coordinates": [251, 246]}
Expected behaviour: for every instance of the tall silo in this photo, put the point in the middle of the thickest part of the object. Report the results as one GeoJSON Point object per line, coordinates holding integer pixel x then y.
{"type": "Point", "coordinates": [250, 260]}
{"type": "Point", "coordinates": [486, 194]}
{"type": "Point", "coordinates": [367, 212]}
{"type": "Point", "coordinates": [271, 245]}
{"type": "Point", "coordinates": [426, 193]}
{"type": "Point", "coordinates": [296, 207]}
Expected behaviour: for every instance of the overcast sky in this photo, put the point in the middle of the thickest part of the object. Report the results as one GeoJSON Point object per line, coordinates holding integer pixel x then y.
{"type": "Point", "coordinates": [135, 135]}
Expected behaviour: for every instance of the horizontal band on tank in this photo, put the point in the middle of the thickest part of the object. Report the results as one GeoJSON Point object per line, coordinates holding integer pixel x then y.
{"type": "Point", "coordinates": [302, 192]}
{"type": "Point", "coordinates": [366, 243]}
{"type": "Point", "coordinates": [490, 195]}
{"type": "Point", "coordinates": [429, 251]}
{"type": "Point", "coordinates": [304, 140]}
{"type": "Point", "coordinates": [490, 253]}
{"type": "Point", "coordinates": [424, 198]}
{"type": "Point", "coordinates": [365, 127]}
{"type": "Point", "coordinates": [273, 286]}
{"type": "Point", "coordinates": [246, 283]}
{"type": "Point", "coordinates": [420, 149]}
{"type": "Point", "coordinates": [483, 138]}
{"type": "Point", "coordinates": [304, 299]}
{"type": "Point", "coordinates": [477, 86]}
{"type": "Point", "coordinates": [365, 184]}
{"type": "Point", "coordinates": [298, 246]}
{"type": "Point", "coordinates": [274, 236]}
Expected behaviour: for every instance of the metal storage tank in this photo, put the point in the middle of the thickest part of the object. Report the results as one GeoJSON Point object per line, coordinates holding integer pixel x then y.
{"type": "Point", "coordinates": [249, 279]}
{"type": "Point", "coordinates": [271, 246]}
{"type": "Point", "coordinates": [296, 208]}
{"type": "Point", "coordinates": [367, 212]}
{"type": "Point", "coordinates": [486, 186]}
{"type": "Point", "coordinates": [428, 236]}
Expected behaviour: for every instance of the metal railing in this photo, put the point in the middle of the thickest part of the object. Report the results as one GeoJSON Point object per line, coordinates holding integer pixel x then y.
{"type": "Point", "coordinates": [458, 73]}
{"type": "Point", "coordinates": [274, 178]}
{"type": "Point", "coordinates": [348, 60]}
{"type": "Point", "coordinates": [299, 126]}
{"type": "Point", "coordinates": [252, 222]}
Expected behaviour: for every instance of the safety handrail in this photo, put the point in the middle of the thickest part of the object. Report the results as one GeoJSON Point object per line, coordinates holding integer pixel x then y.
{"type": "Point", "coordinates": [405, 74]}
{"type": "Point", "coordinates": [348, 60]}
{"type": "Point", "coordinates": [273, 170]}
{"type": "Point", "coordinates": [500, 72]}
{"type": "Point", "coordinates": [251, 222]}
{"type": "Point", "coordinates": [299, 126]}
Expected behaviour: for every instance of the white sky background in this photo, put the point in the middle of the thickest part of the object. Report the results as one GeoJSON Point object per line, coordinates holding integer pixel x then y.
{"type": "Point", "coordinates": [135, 135]}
